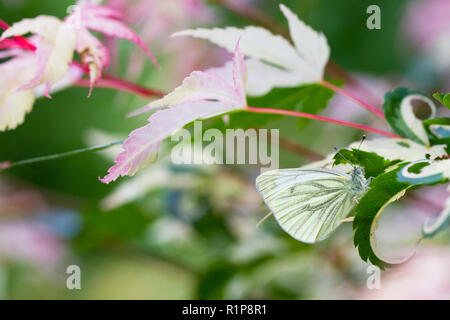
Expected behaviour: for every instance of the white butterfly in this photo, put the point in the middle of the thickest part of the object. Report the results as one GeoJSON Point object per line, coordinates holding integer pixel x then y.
{"type": "Point", "coordinates": [309, 204]}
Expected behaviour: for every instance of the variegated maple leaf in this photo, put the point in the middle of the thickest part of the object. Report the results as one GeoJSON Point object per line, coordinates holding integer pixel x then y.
{"type": "Point", "coordinates": [55, 43]}
{"type": "Point", "coordinates": [35, 67]}
{"type": "Point", "coordinates": [44, 60]}
{"type": "Point", "coordinates": [15, 103]}
{"type": "Point", "coordinates": [202, 95]}
{"type": "Point", "coordinates": [106, 20]}
{"type": "Point", "coordinates": [274, 61]}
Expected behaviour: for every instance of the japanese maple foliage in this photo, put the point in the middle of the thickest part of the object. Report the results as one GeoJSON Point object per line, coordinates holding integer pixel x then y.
{"type": "Point", "coordinates": [188, 102]}
{"type": "Point", "coordinates": [45, 60]}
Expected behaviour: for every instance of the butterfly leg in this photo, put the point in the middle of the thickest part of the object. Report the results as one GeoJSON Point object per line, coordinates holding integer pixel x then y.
{"type": "Point", "coordinates": [349, 219]}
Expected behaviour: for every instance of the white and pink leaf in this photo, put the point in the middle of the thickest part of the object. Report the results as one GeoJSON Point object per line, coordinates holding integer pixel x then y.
{"type": "Point", "coordinates": [201, 96]}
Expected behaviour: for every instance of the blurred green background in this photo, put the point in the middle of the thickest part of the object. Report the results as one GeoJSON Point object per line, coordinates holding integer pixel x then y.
{"type": "Point", "coordinates": [194, 237]}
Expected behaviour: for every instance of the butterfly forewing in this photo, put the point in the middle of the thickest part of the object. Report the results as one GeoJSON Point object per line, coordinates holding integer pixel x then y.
{"type": "Point", "coordinates": [309, 204]}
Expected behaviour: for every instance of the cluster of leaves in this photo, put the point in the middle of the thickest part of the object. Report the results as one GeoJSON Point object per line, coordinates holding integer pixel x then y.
{"type": "Point", "coordinates": [272, 62]}
{"type": "Point", "coordinates": [44, 63]}
{"type": "Point", "coordinates": [443, 98]}
{"type": "Point", "coordinates": [392, 177]}
{"type": "Point", "coordinates": [266, 70]}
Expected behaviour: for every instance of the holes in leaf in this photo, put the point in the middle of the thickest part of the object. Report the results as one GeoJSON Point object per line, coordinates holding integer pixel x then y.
{"type": "Point", "coordinates": [416, 168]}
{"type": "Point", "coordinates": [421, 108]}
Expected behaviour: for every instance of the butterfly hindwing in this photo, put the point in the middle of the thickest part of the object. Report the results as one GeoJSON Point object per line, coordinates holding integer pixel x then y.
{"type": "Point", "coordinates": [308, 203]}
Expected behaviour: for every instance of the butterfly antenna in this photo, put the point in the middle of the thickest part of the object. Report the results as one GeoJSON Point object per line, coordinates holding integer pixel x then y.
{"type": "Point", "coordinates": [263, 219]}
{"type": "Point", "coordinates": [361, 142]}
{"type": "Point", "coordinates": [337, 151]}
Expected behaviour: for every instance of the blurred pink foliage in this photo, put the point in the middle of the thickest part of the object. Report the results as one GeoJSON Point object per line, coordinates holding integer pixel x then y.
{"type": "Point", "coordinates": [148, 14]}
{"type": "Point", "coordinates": [21, 238]}
{"type": "Point", "coordinates": [157, 20]}
{"type": "Point", "coordinates": [424, 277]}
{"type": "Point", "coordinates": [370, 87]}
{"type": "Point", "coordinates": [427, 24]}
{"type": "Point", "coordinates": [427, 19]}
{"type": "Point", "coordinates": [18, 201]}
{"type": "Point", "coordinates": [30, 243]}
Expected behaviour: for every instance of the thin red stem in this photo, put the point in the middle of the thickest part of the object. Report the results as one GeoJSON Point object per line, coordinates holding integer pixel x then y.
{"type": "Point", "coordinates": [352, 97]}
{"type": "Point", "coordinates": [110, 82]}
{"type": "Point", "coordinates": [320, 118]}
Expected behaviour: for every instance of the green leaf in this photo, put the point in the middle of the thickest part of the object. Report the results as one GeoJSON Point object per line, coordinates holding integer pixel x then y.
{"type": "Point", "coordinates": [399, 113]}
{"type": "Point", "coordinates": [315, 98]}
{"type": "Point", "coordinates": [438, 131]}
{"type": "Point", "coordinates": [123, 224]}
{"type": "Point", "coordinates": [426, 172]}
{"type": "Point", "coordinates": [430, 228]}
{"type": "Point", "coordinates": [372, 163]}
{"type": "Point", "coordinates": [443, 98]}
{"type": "Point", "coordinates": [310, 98]}
{"type": "Point", "coordinates": [212, 283]}
{"type": "Point", "coordinates": [383, 190]}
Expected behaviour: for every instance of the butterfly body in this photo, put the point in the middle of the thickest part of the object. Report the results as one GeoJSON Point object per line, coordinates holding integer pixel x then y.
{"type": "Point", "coordinates": [359, 184]}
{"type": "Point", "coordinates": [311, 203]}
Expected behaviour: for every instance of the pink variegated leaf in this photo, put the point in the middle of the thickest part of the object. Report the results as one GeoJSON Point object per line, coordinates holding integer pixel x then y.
{"type": "Point", "coordinates": [239, 72]}
{"type": "Point", "coordinates": [118, 29]}
{"type": "Point", "coordinates": [196, 87]}
{"type": "Point", "coordinates": [9, 53]}
{"type": "Point", "coordinates": [15, 104]}
{"type": "Point", "coordinates": [105, 20]}
{"type": "Point", "coordinates": [43, 53]}
{"type": "Point", "coordinates": [73, 75]}
{"type": "Point", "coordinates": [17, 42]}
{"type": "Point", "coordinates": [55, 43]}
{"type": "Point", "coordinates": [141, 147]}
{"type": "Point", "coordinates": [214, 84]}
{"type": "Point", "coordinates": [45, 26]}
{"type": "Point", "coordinates": [291, 65]}
{"type": "Point", "coordinates": [93, 11]}
{"type": "Point", "coordinates": [8, 44]}
{"type": "Point", "coordinates": [201, 96]}
{"type": "Point", "coordinates": [14, 107]}
{"type": "Point", "coordinates": [93, 54]}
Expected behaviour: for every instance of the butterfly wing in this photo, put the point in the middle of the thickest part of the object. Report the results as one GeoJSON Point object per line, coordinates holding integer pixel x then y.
{"type": "Point", "coordinates": [308, 204]}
